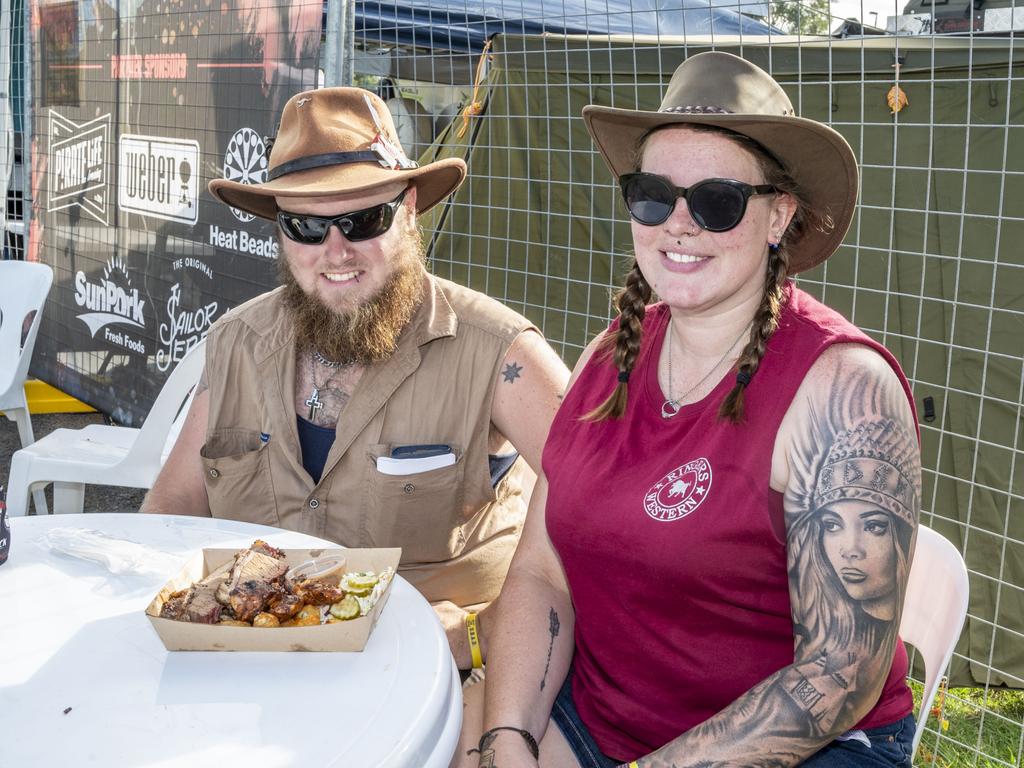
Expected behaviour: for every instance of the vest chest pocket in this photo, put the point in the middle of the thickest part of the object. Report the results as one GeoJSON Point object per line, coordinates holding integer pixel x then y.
{"type": "Point", "coordinates": [422, 513]}
{"type": "Point", "coordinates": [236, 469]}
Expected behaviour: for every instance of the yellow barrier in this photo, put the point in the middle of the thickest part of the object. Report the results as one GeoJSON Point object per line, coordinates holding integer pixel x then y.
{"type": "Point", "coordinates": [42, 398]}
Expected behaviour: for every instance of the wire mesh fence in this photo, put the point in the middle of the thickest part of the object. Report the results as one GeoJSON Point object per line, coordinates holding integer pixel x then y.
{"type": "Point", "coordinates": [933, 265]}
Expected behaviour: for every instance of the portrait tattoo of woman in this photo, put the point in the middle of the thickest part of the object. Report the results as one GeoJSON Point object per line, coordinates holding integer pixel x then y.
{"type": "Point", "coordinates": [851, 508]}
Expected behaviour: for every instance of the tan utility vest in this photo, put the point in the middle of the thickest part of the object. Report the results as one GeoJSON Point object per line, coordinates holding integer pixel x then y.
{"type": "Point", "coordinates": [457, 532]}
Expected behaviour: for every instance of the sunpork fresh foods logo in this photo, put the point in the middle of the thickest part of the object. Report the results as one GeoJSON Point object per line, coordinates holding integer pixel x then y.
{"type": "Point", "coordinates": [111, 301]}
{"type": "Point", "coordinates": [158, 177]}
{"type": "Point", "coordinates": [186, 322]}
{"type": "Point", "coordinates": [245, 161]}
{"type": "Point", "coordinates": [77, 169]}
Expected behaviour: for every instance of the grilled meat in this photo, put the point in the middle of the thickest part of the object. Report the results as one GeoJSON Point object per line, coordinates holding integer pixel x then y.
{"type": "Point", "coordinates": [251, 565]}
{"type": "Point", "coordinates": [284, 606]}
{"type": "Point", "coordinates": [203, 607]}
{"type": "Point", "coordinates": [196, 604]}
{"type": "Point", "coordinates": [175, 606]}
{"type": "Point", "coordinates": [265, 549]}
{"type": "Point", "coordinates": [315, 592]}
{"type": "Point", "coordinates": [251, 597]}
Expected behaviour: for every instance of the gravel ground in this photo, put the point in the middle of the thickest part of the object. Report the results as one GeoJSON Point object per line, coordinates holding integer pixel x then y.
{"type": "Point", "coordinates": [98, 498]}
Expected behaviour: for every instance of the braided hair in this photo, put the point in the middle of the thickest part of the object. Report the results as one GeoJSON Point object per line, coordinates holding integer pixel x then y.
{"type": "Point", "coordinates": [632, 303]}
{"type": "Point", "coordinates": [623, 347]}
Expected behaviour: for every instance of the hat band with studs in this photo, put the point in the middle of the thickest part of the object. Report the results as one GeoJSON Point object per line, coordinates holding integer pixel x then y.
{"type": "Point", "coordinates": [320, 161]}
{"type": "Point", "coordinates": [698, 109]}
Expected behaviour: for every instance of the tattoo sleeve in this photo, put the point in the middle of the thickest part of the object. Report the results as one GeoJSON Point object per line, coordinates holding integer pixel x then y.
{"type": "Point", "coordinates": [851, 509]}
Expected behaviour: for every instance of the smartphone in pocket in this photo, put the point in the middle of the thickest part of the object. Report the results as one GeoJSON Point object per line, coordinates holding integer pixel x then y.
{"type": "Point", "coordinates": [413, 459]}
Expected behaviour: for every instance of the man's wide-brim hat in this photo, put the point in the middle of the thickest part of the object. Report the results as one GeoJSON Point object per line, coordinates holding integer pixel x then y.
{"type": "Point", "coordinates": [338, 141]}
{"type": "Point", "coordinates": [722, 90]}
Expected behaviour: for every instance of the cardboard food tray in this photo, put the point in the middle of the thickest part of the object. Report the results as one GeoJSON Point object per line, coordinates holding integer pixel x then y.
{"type": "Point", "coordinates": [343, 636]}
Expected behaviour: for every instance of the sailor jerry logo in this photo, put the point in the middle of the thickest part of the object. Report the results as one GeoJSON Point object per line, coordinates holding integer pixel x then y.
{"type": "Point", "coordinates": [679, 492]}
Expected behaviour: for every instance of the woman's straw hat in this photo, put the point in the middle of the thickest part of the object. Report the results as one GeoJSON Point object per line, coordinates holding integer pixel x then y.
{"type": "Point", "coordinates": [722, 90]}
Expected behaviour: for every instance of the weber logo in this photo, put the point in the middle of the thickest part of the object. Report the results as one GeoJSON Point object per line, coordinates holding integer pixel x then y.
{"type": "Point", "coordinates": [111, 300]}
{"type": "Point", "coordinates": [159, 177]}
{"type": "Point", "coordinates": [77, 173]}
{"type": "Point", "coordinates": [245, 161]}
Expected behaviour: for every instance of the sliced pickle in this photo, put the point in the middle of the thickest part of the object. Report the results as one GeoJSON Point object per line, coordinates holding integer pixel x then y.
{"type": "Point", "coordinates": [345, 609]}
{"type": "Point", "coordinates": [359, 583]}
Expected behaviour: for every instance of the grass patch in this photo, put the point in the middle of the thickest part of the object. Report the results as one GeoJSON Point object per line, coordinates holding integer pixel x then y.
{"type": "Point", "coordinates": [979, 729]}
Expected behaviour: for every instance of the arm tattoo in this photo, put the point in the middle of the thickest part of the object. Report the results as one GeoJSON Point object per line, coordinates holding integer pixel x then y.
{"type": "Point", "coordinates": [553, 628]}
{"type": "Point", "coordinates": [512, 372]}
{"type": "Point", "coordinates": [851, 510]}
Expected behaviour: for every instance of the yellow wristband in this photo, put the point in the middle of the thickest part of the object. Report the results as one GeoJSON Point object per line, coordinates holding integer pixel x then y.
{"type": "Point", "coordinates": [474, 640]}
{"type": "Point", "coordinates": [634, 765]}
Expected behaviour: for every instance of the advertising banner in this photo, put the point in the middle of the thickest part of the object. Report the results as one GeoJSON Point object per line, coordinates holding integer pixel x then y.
{"type": "Point", "coordinates": [138, 106]}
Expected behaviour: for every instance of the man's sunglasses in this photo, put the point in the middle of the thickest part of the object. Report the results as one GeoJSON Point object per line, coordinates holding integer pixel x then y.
{"type": "Point", "coordinates": [717, 205]}
{"type": "Point", "coordinates": [358, 225]}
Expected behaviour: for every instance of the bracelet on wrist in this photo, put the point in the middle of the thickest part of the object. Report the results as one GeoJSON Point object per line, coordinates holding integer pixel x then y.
{"type": "Point", "coordinates": [488, 738]}
{"type": "Point", "coordinates": [474, 640]}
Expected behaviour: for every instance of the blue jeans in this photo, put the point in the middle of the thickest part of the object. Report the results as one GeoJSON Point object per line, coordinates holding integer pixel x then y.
{"type": "Point", "coordinates": [890, 744]}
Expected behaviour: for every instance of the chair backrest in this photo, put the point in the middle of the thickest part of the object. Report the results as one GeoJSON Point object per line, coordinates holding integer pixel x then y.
{"type": "Point", "coordinates": [175, 395]}
{"type": "Point", "coordinates": [934, 611]}
{"type": "Point", "coordinates": [24, 286]}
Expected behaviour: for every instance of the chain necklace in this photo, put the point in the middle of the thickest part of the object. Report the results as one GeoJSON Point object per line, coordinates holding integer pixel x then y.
{"type": "Point", "coordinates": [325, 362]}
{"type": "Point", "coordinates": [672, 405]}
{"type": "Point", "coordinates": [314, 402]}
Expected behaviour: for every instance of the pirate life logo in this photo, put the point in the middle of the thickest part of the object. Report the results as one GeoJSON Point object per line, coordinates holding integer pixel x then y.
{"type": "Point", "coordinates": [158, 177]}
{"type": "Point", "coordinates": [112, 300]}
{"type": "Point", "coordinates": [245, 161]}
{"type": "Point", "coordinates": [77, 169]}
{"type": "Point", "coordinates": [679, 492]}
{"type": "Point", "coordinates": [185, 323]}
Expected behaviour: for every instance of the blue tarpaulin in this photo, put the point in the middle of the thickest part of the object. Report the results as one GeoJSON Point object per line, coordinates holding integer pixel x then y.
{"type": "Point", "coordinates": [465, 25]}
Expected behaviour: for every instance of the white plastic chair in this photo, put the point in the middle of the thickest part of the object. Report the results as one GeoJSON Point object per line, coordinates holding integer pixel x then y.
{"type": "Point", "coordinates": [102, 455]}
{"type": "Point", "coordinates": [934, 611]}
{"type": "Point", "coordinates": [24, 287]}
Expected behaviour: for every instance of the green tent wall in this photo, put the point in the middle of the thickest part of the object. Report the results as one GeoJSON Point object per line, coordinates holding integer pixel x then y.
{"type": "Point", "coordinates": [933, 265]}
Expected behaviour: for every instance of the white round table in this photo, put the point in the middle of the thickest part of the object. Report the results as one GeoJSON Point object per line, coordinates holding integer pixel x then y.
{"type": "Point", "coordinates": [74, 637]}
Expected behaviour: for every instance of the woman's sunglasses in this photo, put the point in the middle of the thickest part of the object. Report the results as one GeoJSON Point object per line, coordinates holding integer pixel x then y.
{"type": "Point", "coordinates": [717, 205]}
{"type": "Point", "coordinates": [358, 225]}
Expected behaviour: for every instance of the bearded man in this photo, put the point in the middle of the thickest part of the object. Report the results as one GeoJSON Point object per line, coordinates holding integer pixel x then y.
{"type": "Point", "coordinates": [365, 401]}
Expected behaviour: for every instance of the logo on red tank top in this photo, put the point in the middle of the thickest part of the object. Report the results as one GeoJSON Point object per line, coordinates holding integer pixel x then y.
{"type": "Point", "coordinates": [679, 492]}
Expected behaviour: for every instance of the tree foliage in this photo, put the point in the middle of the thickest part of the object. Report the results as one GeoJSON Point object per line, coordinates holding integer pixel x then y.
{"type": "Point", "coordinates": [805, 17]}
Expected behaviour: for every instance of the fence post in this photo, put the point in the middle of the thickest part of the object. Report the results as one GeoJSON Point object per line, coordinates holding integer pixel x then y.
{"type": "Point", "coordinates": [339, 39]}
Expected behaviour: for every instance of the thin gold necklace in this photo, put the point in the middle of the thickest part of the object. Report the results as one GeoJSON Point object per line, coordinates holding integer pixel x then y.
{"type": "Point", "coordinates": [672, 405]}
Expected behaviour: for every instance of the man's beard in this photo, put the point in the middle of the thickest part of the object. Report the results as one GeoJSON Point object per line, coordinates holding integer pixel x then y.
{"type": "Point", "coordinates": [368, 333]}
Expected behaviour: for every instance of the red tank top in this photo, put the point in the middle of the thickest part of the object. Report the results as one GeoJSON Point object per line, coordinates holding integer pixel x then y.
{"type": "Point", "coordinates": [673, 542]}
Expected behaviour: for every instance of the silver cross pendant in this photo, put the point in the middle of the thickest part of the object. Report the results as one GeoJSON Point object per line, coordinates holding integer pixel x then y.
{"type": "Point", "coordinates": [314, 403]}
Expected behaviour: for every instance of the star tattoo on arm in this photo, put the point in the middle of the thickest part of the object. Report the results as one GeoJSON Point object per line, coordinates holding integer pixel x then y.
{"type": "Point", "coordinates": [512, 372]}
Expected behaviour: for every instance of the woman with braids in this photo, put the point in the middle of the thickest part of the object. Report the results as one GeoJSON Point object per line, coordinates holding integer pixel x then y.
{"type": "Point", "coordinates": [713, 567]}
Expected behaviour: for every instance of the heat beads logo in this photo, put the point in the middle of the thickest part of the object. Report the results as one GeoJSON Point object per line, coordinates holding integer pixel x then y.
{"type": "Point", "coordinates": [111, 301]}
{"type": "Point", "coordinates": [158, 177]}
{"type": "Point", "coordinates": [679, 492]}
{"type": "Point", "coordinates": [245, 161]}
{"type": "Point", "coordinates": [78, 171]}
